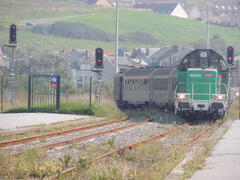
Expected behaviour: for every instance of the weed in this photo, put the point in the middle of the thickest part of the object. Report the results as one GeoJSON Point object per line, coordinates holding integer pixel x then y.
{"type": "Point", "coordinates": [84, 164]}
{"type": "Point", "coordinates": [111, 142]}
{"type": "Point", "coordinates": [32, 164]}
{"type": "Point", "coordinates": [66, 160]}
{"type": "Point", "coordinates": [43, 140]}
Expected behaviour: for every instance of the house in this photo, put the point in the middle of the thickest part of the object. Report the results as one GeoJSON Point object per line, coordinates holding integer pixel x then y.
{"type": "Point", "coordinates": [103, 3]}
{"type": "Point", "coordinates": [124, 3]}
{"type": "Point", "coordinates": [164, 53]}
{"type": "Point", "coordinates": [173, 9]}
{"type": "Point", "coordinates": [195, 13]}
{"type": "Point", "coordinates": [219, 12]}
{"type": "Point", "coordinates": [82, 62]}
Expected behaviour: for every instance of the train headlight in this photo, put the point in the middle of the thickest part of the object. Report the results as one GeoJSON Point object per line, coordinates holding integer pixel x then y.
{"type": "Point", "coordinates": [220, 97]}
{"type": "Point", "coordinates": [182, 96]}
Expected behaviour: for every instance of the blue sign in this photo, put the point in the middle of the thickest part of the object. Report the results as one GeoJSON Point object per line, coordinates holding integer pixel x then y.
{"type": "Point", "coordinates": [54, 81]}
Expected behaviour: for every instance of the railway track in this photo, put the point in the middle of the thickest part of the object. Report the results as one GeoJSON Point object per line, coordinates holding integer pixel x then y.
{"type": "Point", "coordinates": [58, 133]}
{"type": "Point", "coordinates": [194, 140]}
{"type": "Point", "coordinates": [188, 144]}
{"type": "Point", "coordinates": [132, 146]}
{"type": "Point", "coordinates": [83, 138]}
{"type": "Point", "coordinates": [36, 129]}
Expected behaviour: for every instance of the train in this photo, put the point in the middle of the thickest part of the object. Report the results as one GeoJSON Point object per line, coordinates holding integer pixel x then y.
{"type": "Point", "coordinates": [198, 85]}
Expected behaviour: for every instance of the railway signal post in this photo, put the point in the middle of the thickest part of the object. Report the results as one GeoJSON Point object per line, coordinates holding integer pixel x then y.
{"type": "Point", "coordinates": [99, 66]}
{"type": "Point", "coordinates": [12, 44]}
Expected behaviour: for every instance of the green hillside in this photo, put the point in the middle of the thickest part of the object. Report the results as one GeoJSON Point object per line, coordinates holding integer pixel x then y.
{"type": "Point", "coordinates": [166, 29]}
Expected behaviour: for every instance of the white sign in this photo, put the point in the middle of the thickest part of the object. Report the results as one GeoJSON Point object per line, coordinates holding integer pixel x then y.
{"type": "Point", "coordinates": [196, 75]}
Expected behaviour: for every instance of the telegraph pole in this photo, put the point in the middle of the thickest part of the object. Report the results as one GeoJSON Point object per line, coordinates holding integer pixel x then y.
{"type": "Point", "coordinates": [208, 33]}
{"type": "Point", "coordinates": [116, 43]}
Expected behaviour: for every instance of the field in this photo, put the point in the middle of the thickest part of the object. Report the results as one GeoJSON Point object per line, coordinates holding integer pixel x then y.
{"type": "Point", "coordinates": [168, 30]}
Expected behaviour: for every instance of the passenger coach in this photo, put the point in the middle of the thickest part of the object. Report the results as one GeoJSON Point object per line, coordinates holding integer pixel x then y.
{"type": "Point", "coordinates": [144, 86]}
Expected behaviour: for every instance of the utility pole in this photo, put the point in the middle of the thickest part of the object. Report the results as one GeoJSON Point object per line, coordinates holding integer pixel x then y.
{"type": "Point", "coordinates": [208, 9]}
{"type": "Point", "coordinates": [116, 43]}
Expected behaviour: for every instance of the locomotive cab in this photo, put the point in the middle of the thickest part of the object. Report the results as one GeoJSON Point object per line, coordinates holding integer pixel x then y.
{"type": "Point", "coordinates": [203, 84]}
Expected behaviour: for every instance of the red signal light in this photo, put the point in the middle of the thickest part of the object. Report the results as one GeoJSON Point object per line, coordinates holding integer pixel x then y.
{"type": "Point", "coordinates": [230, 54]}
{"type": "Point", "coordinates": [99, 58]}
{"type": "Point", "coordinates": [13, 34]}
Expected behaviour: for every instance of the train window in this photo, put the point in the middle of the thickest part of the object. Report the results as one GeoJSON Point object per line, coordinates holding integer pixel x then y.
{"type": "Point", "coordinates": [184, 65]}
{"type": "Point", "coordinates": [145, 81]}
{"type": "Point", "coordinates": [213, 63]}
{"type": "Point", "coordinates": [164, 84]}
{"type": "Point", "coordinates": [156, 84]}
{"type": "Point", "coordinates": [193, 63]}
{"type": "Point", "coordinates": [218, 64]}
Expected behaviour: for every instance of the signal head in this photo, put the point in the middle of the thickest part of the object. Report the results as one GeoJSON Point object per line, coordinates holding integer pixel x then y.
{"type": "Point", "coordinates": [99, 58]}
{"type": "Point", "coordinates": [230, 55]}
{"type": "Point", "coordinates": [13, 34]}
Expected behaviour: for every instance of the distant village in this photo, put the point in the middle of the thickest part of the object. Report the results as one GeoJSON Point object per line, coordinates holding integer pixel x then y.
{"type": "Point", "coordinates": [222, 12]}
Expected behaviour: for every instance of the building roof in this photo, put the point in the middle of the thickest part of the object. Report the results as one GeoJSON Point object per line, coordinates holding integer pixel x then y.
{"type": "Point", "coordinates": [139, 72]}
{"type": "Point", "coordinates": [104, 3]}
{"type": "Point", "coordinates": [222, 11]}
{"type": "Point", "coordinates": [165, 8]}
{"type": "Point", "coordinates": [161, 71]}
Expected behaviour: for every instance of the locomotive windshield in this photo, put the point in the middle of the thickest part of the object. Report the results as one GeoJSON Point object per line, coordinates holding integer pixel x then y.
{"type": "Point", "coordinates": [204, 59]}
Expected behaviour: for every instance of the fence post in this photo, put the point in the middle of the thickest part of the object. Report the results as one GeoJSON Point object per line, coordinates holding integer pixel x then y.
{"type": "Point", "coordinates": [29, 91]}
{"type": "Point", "coordinates": [2, 94]}
{"type": "Point", "coordinates": [90, 95]}
{"type": "Point", "coordinates": [58, 93]}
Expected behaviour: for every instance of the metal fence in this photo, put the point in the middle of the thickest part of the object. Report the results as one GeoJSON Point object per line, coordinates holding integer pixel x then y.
{"type": "Point", "coordinates": [38, 91]}
{"type": "Point", "coordinates": [13, 91]}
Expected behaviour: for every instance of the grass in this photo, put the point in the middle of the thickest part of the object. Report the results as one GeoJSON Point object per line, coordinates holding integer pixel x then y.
{"type": "Point", "coordinates": [167, 29]}
{"type": "Point", "coordinates": [234, 109]}
{"type": "Point", "coordinates": [197, 162]}
{"type": "Point", "coordinates": [160, 26]}
{"type": "Point", "coordinates": [106, 108]}
{"type": "Point", "coordinates": [33, 164]}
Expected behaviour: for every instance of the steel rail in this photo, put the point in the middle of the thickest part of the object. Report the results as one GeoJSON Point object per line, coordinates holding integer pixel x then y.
{"type": "Point", "coordinates": [34, 129]}
{"type": "Point", "coordinates": [192, 141]}
{"type": "Point", "coordinates": [83, 138]}
{"type": "Point", "coordinates": [132, 146]}
{"type": "Point", "coordinates": [58, 133]}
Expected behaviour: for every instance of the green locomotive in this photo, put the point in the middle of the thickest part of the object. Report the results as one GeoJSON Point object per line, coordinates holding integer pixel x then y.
{"type": "Point", "coordinates": [203, 85]}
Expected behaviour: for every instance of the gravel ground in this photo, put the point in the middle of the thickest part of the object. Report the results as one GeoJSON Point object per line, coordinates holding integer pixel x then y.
{"type": "Point", "coordinates": [121, 139]}
{"type": "Point", "coordinates": [99, 145]}
{"type": "Point", "coordinates": [41, 142]}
